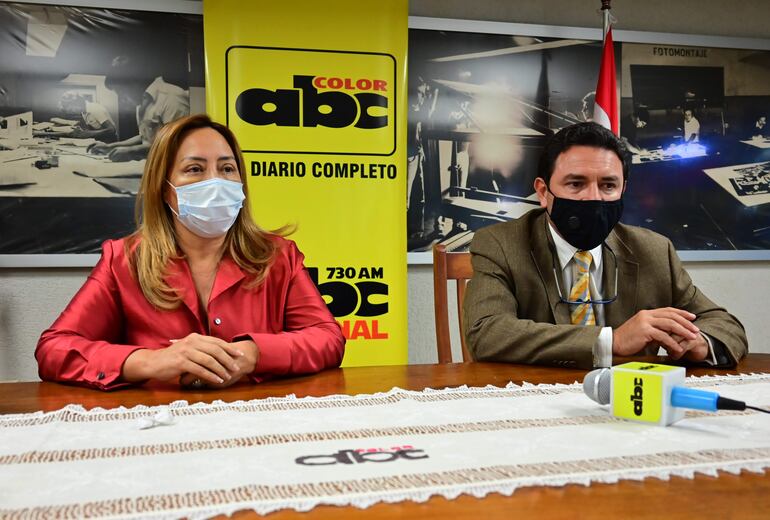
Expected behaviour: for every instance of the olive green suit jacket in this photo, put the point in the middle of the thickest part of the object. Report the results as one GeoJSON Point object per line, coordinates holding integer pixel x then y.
{"type": "Point", "coordinates": [512, 311]}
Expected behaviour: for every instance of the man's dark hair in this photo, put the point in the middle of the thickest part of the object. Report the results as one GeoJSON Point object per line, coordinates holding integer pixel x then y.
{"type": "Point", "coordinates": [581, 134]}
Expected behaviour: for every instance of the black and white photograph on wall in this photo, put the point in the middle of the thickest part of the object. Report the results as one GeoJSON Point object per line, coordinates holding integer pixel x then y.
{"type": "Point", "coordinates": [82, 94]}
{"type": "Point", "coordinates": [695, 120]}
{"type": "Point", "coordinates": [480, 108]}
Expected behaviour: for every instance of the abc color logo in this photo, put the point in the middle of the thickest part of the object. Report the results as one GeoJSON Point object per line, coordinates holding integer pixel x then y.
{"type": "Point", "coordinates": [312, 101]}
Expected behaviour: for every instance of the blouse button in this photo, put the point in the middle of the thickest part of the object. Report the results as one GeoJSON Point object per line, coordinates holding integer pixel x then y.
{"type": "Point", "coordinates": [217, 321]}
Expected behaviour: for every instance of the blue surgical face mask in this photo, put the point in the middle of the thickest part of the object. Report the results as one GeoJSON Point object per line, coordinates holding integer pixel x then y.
{"type": "Point", "coordinates": [209, 208]}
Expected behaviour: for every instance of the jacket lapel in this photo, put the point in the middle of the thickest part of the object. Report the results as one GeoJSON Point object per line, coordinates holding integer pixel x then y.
{"type": "Point", "coordinates": [543, 253]}
{"type": "Point", "coordinates": [624, 306]}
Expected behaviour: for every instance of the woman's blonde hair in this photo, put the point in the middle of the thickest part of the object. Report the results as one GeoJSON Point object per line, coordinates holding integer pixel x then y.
{"type": "Point", "coordinates": [153, 245]}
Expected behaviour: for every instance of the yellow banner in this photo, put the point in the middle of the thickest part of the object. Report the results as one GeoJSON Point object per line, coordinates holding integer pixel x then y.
{"type": "Point", "coordinates": [315, 92]}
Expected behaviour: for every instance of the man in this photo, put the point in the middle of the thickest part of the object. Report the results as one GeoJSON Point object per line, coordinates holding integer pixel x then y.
{"type": "Point", "coordinates": [587, 105]}
{"type": "Point", "coordinates": [538, 297]}
{"type": "Point", "coordinates": [92, 119]}
{"type": "Point", "coordinates": [162, 103]}
{"type": "Point", "coordinates": [759, 129]}
{"type": "Point", "coordinates": [630, 126]}
{"type": "Point", "coordinates": [691, 127]}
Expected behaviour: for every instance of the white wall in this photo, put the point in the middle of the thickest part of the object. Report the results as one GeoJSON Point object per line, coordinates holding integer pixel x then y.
{"type": "Point", "coordinates": [30, 299]}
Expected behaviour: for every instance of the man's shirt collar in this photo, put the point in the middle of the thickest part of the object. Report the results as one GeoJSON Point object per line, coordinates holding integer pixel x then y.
{"type": "Point", "coordinates": [565, 251]}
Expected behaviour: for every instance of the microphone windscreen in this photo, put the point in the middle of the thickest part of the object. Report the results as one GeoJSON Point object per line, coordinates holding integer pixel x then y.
{"type": "Point", "coordinates": [596, 385]}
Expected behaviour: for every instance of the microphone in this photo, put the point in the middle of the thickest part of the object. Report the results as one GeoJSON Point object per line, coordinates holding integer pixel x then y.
{"type": "Point", "coordinates": [651, 393]}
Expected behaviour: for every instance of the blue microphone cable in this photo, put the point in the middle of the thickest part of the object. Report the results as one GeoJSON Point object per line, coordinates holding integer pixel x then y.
{"type": "Point", "coordinates": [684, 397]}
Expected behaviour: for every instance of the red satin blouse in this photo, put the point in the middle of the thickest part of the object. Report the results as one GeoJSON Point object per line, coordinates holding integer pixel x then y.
{"type": "Point", "coordinates": [109, 318]}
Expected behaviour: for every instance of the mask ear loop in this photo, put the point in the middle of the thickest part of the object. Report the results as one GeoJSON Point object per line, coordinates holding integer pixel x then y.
{"type": "Point", "coordinates": [177, 200]}
{"type": "Point", "coordinates": [548, 189]}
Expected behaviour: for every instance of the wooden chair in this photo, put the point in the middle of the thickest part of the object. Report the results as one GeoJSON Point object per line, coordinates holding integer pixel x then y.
{"type": "Point", "coordinates": [449, 266]}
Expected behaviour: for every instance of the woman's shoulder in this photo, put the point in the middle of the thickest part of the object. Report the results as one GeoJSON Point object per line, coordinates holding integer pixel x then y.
{"type": "Point", "coordinates": [115, 249]}
{"type": "Point", "coordinates": [286, 250]}
{"type": "Point", "coordinates": [114, 258]}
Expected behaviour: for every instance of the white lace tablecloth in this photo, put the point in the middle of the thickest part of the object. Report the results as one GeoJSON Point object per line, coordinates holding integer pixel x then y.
{"type": "Point", "coordinates": [286, 452]}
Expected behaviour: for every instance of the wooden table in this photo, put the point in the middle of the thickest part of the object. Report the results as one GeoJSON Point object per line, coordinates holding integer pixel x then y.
{"type": "Point", "coordinates": [729, 496]}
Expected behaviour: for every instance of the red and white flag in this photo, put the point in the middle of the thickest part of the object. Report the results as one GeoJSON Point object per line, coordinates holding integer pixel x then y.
{"type": "Point", "coordinates": [606, 104]}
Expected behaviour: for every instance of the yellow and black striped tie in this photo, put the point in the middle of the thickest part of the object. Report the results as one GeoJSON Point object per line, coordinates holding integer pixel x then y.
{"type": "Point", "coordinates": [583, 313]}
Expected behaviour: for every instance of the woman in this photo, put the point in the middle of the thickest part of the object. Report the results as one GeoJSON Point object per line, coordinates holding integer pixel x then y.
{"type": "Point", "coordinates": [198, 294]}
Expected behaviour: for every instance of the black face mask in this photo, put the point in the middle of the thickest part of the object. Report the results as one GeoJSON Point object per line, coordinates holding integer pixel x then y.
{"type": "Point", "coordinates": [585, 223]}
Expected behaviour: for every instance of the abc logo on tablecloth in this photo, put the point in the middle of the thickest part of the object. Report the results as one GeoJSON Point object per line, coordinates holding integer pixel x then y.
{"type": "Point", "coordinates": [360, 456]}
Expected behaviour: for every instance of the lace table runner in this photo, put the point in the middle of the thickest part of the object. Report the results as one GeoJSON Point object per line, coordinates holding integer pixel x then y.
{"type": "Point", "coordinates": [198, 460]}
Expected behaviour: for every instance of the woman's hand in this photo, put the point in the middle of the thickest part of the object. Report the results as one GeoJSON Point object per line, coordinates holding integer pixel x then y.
{"type": "Point", "coordinates": [209, 359]}
{"type": "Point", "coordinates": [246, 365]}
